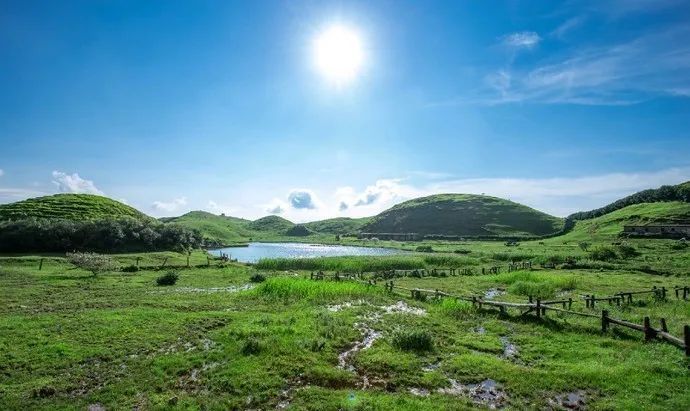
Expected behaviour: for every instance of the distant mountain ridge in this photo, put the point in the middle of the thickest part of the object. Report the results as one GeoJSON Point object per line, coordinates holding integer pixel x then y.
{"type": "Point", "coordinates": [465, 215]}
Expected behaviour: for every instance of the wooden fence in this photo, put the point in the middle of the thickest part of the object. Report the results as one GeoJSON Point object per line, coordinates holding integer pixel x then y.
{"type": "Point", "coordinates": [540, 308]}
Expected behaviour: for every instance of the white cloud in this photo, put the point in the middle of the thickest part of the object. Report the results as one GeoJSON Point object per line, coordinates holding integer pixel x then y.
{"type": "Point", "coordinates": [558, 196]}
{"type": "Point", "coordinates": [523, 39]}
{"type": "Point", "coordinates": [302, 199]}
{"type": "Point", "coordinates": [2, 173]}
{"type": "Point", "coordinates": [217, 208]}
{"type": "Point", "coordinates": [72, 183]}
{"type": "Point", "coordinates": [170, 206]}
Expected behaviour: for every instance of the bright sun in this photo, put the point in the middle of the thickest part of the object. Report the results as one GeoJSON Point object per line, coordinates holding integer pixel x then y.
{"type": "Point", "coordinates": [338, 54]}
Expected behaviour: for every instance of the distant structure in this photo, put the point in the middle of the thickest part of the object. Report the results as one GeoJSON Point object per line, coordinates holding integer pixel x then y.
{"type": "Point", "coordinates": [666, 230]}
{"type": "Point", "coordinates": [391, 236]}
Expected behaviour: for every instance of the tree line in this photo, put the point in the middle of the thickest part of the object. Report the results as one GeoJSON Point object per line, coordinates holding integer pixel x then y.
{"type": "Point", "coordinates": [680, 192]}
{"type": "Point", "coordinates": [106, 235]}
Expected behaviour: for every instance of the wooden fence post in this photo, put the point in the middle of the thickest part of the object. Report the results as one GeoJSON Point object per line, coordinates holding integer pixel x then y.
{"type": "Point", "coordinates": [40, 265]}
{"type": "Point", "coordinates": [538, 308]}
{"type": "Point", "coordinates": [591, 304]}
{"type": "Point", "coordinates": [686, 337]}
{"type": "Point", "coordinates": [649, 333]}
{"type": "Point", "coordinates": [604, 320]}
{"type": "Point", "coordinates": [138, 259]}
{"type": "Point", "coordinates": [570, 302]}
{"type": "Point", "coordinates": [664, 328]}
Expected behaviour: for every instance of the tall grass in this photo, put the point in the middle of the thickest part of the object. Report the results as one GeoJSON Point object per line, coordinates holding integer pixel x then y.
{"type": "Point", "coordinates": [541, 285]}
{"type": "Point", "coordinates": [455, 308]}
{"type": "Point", "coordinates": [300, 289]}
{"type": "Point", "coordinates": [355, 264]}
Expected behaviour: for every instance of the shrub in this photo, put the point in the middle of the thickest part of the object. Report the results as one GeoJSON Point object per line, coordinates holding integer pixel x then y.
{"type": "Point", "coordinates": [95, 263]}
{"type": "Point", "coordinates": [413, 340]}
{"type": "Point", "coordinates": [169, 278]}
{"type": "Point", "coordinates": [257, 278]}
{"type": "Point", "coordinates": [462, 251]}
{"type": "Point", "coordinates": [584, 245]}
{"type": "Point", "coordinates": [627, 251]}
{"type": "Point", "coordinates": [679, 245]}
{"type": "Point", "coordinates": [424, 249]}
{"type": "Point", "coordinates": [252, 346]}
{"type": "Point", "coordinates": [130, 269]}
{"type": "Point", "coordinates": [603, 254]}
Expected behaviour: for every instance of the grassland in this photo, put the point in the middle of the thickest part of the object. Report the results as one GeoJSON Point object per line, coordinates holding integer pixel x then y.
{"type": "Point", "coordinates": [69, 206]}
{"type": "Point", "coordinates": [214, 340]}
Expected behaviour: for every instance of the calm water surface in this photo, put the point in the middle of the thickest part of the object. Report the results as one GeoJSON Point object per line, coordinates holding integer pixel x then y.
{"type": "Point", "coordinates": [257, 251]}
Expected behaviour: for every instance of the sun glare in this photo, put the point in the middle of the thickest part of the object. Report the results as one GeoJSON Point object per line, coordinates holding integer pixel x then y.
{"type": "Point", "coordinates": [338, 54]}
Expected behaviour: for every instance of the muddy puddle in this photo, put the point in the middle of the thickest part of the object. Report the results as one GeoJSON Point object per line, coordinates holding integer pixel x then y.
{"type": "Point", "coordinates": [510, 350]}
{"type": "Point", "coordinates": [492, 293]}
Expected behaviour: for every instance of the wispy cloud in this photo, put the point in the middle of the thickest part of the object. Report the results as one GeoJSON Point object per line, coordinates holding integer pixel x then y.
{"type": "Point", "coordinates": [567, 26]}
{"type": "Point", "coordinates": [73, 183]}
{"type": "Point", "coordinates": [523, 39]}
{"type": "Point", "coordinates": [170, 206]}
{"type": "Point", "coordinates": [649, 66]}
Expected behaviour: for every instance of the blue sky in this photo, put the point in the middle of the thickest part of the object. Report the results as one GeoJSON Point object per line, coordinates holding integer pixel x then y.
{"type": "Point", "coordinates": [173, 106]}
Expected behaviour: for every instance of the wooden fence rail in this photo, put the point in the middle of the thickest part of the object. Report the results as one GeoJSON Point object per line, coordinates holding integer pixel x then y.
{"type": "Point", "coordinates": [541, 307]}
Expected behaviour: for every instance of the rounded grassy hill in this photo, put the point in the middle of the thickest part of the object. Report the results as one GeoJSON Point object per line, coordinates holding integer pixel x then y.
{"type": "Point", "coordinates": [69, 207]}
{"type": "Point", "coordinates": [463, 215]}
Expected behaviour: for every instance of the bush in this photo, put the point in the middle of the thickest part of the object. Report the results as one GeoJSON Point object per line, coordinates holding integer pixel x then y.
{"type": "Point", "coordinates": [627, 251]}
{"type": "Point", "coordinates": [679, 245]}
{"type": "Point", "coordinates": [413, 340]}
{"type": "Point", "coordinates": [424, 249]}
{"type": "Point", "coordinates": [252, 346]}
{"type": "Point", "coordinates": [95, 263]}
{"type": "Point", "coordinates": [169, 278]}
{"type": "Point", "coordinates": [130, 269]}
{"type": "Point", "coordinates": [462, 251]}
{"type": "Point", "coordinates": [603, 254]}
{"type": "Point", "coordinates": [257, 278]}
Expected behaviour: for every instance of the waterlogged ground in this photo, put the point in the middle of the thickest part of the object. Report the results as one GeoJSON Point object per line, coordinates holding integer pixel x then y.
{"type": "Point", "coordinates": [217, 341]}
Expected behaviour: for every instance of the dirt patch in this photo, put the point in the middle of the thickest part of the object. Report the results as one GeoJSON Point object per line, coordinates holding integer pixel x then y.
{"type": "Point", "coordinates": [574, 400]}
{"type": "Point", "coordinates": [488, 392]}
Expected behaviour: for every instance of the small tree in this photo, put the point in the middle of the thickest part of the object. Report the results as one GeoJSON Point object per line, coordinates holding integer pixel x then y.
{"type": "Point", "coordinates": [584, 245]}
{"type": "Point", "coordinates": [95, 263]}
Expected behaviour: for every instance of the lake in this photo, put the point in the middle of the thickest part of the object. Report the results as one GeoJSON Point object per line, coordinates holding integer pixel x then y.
{"type": "Point", "coordinates": [256, 251]}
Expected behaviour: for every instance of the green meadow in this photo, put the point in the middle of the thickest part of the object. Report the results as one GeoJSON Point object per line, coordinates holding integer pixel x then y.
{"type": "Point", "coordinates": [266, 336]}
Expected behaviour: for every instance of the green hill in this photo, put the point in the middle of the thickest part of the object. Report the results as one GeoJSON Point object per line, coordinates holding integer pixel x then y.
{"type": "Point", "coordinates": [340, 225]}
{"type": "Point", "coordinates": [271, 223]}
{"type": "Point", "coordinates": [463, 215]}
{"type": "Point", "coordinates": [220, 229]}
{"type": "Point", "coordinates": [70, 207]}
{"type": "Point", "coordinates": [610, 225]}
